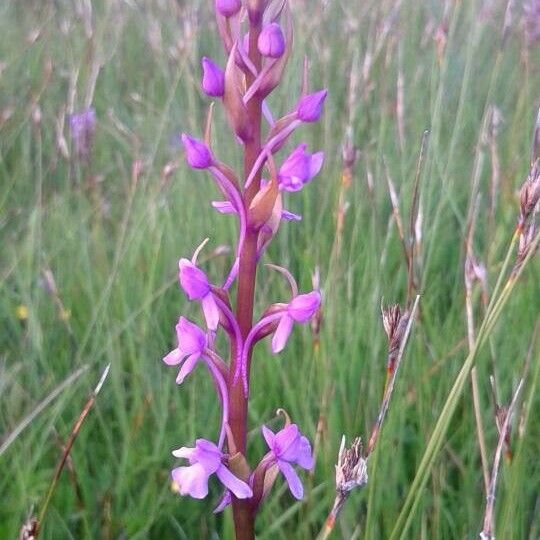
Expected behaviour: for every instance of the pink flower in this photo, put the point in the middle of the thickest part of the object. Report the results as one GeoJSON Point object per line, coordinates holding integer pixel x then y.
{"type": "Point", "coordinates": [289, 447]}
{"type": "Point", "coordinates": [299, 168]}
{"type": "Point", "coordinates": [195, 284]}
{"type": "Point", "coordinates": [191, 345]}
{"type": "Point", "coordinates": [204, 460]}
{"type": "Point", "coordinates": [301, 308]}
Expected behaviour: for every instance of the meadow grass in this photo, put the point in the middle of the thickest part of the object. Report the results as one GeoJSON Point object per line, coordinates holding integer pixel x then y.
{"type": "Point", "coordinates": [111, 237]}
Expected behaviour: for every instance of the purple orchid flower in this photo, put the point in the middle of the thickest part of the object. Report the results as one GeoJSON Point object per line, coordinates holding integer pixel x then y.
{"type": "Point", "coordinates": [195, 284]}
{"type": "Point", "coordinates": [191, 345]}
{"type": "Point", "coordinates": [299, 168]}
{"type": "Point", "coordinates": [300, 310]}
{"type": "Point", "coordinates": [204, 460]}
{"type": "Point", "coordinates": [289, 447]}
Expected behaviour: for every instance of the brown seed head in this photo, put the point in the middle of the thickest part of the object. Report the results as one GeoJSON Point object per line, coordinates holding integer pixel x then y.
{"type": "Point", "coordinates": [351, 468]}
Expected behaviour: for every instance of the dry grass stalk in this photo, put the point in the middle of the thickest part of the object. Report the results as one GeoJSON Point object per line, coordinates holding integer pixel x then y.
{"type": "Point", "coordinates": [351, 468]}
{"type": "Point", "coordinates": [31, 528]}
{"type": "Point", "coordinates": [488, 527]}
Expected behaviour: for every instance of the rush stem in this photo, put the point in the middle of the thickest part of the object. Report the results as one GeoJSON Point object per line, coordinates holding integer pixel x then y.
{"type": "Point", "coordinates": [243, 514]}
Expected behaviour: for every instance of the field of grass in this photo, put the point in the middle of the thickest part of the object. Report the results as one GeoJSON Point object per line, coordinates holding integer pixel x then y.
{"type": "Point", "coordinates": [110, 233]}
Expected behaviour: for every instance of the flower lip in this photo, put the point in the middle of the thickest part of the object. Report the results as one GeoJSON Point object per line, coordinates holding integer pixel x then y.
{"type": "Point", "coordinates": [228, 8]}
{"type": "Point", "coordinates": [198, 155]}
{"type": "Point", "coordinates": [310, 107]}
{"type": "Point", "coordinates": [271, 42]}
{"type": "Point", "coordinates": [213, 80]}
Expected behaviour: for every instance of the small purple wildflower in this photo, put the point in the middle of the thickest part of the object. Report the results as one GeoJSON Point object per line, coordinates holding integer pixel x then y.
{"type": "Point", "coordinates": [301, 308]}
{"type": "Point", "coordinates": [195, 284]}
{"type": "Point", "coordinates": [213, 80]}
{"type": "Point", "coordinates": [198, 155]}
{"type": "Point", "coordinates": [191, 345]}
{"type": "Point", "coordinates": [289, 447]}
{"type": "Point", "coordinates": [299, 168]}
{"type": "Point", "coordinates": [204, 460]}
{"type": "Point", "coordinates": [82, 126]}
{"type": "Point", "coordinates": [310, 107]}
{"type": "Point", "coordinates": [271, 41]}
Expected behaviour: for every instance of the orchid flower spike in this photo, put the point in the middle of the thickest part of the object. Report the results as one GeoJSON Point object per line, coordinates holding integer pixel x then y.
{"type": "Point", "coordinates": [299, 168]}
{"type": "Point", "coordinates": [204, 460]}
{"type": "Point", "coordinates": [301, 308]}
{"type": "Point", "coordinates": [289, 447]}
{"type": "Point", "coordinates": [196, 285]}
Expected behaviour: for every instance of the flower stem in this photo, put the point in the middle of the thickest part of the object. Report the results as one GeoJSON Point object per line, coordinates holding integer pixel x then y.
{"type": "Point", "coordinates": [244, 517]}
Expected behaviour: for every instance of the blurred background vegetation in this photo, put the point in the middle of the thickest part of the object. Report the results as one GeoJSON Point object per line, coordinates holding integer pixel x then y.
{"type": "Point", "coordinates": [89, 252]}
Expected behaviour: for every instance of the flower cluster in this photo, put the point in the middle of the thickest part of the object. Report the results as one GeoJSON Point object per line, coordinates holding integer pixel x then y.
{"type": "Point", "coordinates": [257, 38]}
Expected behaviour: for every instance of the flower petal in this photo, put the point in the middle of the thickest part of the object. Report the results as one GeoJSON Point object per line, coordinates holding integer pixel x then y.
{"type": "Point", "coordinates": [237, 486]}
{"type": "Point", "coordinates": [187, 367]}
{"type": "Point", "coordinates": [282, 333]}
{"type": "Point", "coordinates": [269, 437]}
{"type": "Point", "coordinates": [290, 216]}
{"type": "Point", "coordinates": [295, 484]}
{"type": "Point", "coordinates": [193, 280]}
{"type": "Point", "coordinates": [224, 207]}
{"type": "Point", "coordinates": [211, 311]}
{"type": "Point", "coordinates": [286, 441]}
{"type": "Point", "coordinates": [223, 502]}
{"type": "Point", "coordinates": [173, 358]}
{"type": "Point", "coordinates": [304, 455]}
{"type": "Point", "coordinates": [304, 306]}
{"type": "Point", "coordinates": [183, 452]}
{"type": "Point", "coordinates": [316, 164]}
{"type": "Point", "coordinates": [191, 339]}
{"type": "Point", "coordinates": [192, 480]}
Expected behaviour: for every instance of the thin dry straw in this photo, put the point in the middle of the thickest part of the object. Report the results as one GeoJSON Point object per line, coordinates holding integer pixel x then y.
{"type": "Point", "coordinates": [42, 405]}
{"type": "Point", "coordinates": [67, 449]}
{"type": "Point", "coordinates": [487, 530]}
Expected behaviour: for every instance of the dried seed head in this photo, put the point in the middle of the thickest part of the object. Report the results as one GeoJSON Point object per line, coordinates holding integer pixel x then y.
{"type": "Point", "coordinates": [351, 468]}
{"type": "Point", "coordinates": [395, 322]}
{"type": "Point", "coordinates": [530, 193]}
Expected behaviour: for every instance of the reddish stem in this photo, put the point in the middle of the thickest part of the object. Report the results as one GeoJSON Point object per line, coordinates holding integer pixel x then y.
{"type": "Point", "coordinates": [244, 517]}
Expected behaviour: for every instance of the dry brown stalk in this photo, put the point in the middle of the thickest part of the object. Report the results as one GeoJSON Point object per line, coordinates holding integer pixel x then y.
{"type": "Point", "coordinates": [31, 528]}
{"type": "Point", "coordinates": [351, 468]}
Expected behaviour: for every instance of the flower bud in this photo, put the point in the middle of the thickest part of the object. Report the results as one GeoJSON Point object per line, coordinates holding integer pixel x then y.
{"type": "Point", "coordinates": [228, 8]}
{"type": "Point", "coordinates": [213, 81]}
{"type": "Point", "coordinates": [271, 41]}
{"type": "Point", "coordinates": [198, 155]}
{"type": "Point", "coordinates": [310, 107]}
